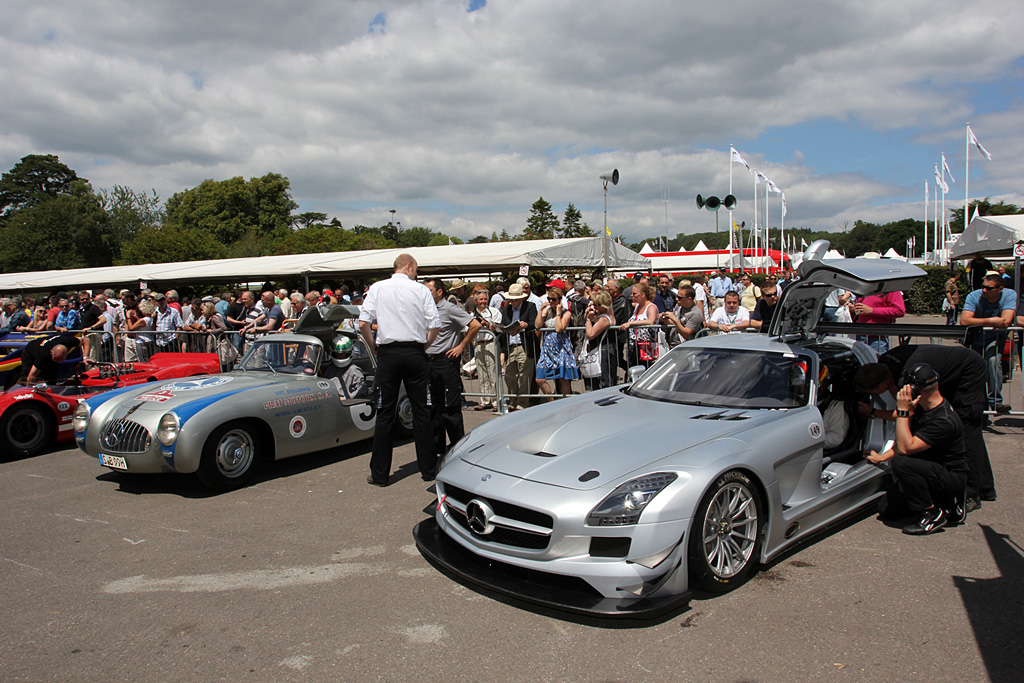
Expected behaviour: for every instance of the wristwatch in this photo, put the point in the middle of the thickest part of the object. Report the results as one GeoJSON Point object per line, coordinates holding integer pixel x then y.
{"type": "Point", "coordinates": [902, 413]}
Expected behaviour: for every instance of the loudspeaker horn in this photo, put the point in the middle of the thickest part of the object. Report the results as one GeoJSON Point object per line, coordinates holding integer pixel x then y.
{"type": "Point", "coordinates": [729, 202]}
{"type": "Point", "coordinates": [700, 202]}
{"type": "Point", "coordinates": [613, 177]}
{"type": "Point", "coordinates": [712, 203]}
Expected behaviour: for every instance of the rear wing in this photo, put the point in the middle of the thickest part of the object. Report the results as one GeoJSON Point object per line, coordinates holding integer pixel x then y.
{"type": "Point", "coordinates": [955, 332]}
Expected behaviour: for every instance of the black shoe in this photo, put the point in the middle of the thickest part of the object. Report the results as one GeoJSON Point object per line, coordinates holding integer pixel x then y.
{"type": "Point", "coordinates": [373, 482]}
{"type": "Point", "coordinates": [930, 522]}
{"type": "Point", "coordinates": [988, 495]}
{"type": "Point", "coordinates": [957, 509]}
{"type": "Point", "coordinates": [1002, 408]}
{"type": "Point", "coordinates": [972, 504]}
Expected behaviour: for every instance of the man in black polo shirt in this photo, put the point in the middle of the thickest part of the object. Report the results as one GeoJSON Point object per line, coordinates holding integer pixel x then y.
{"type": "Point", "coordinates": [962, 380]}
{"type": "Point", "coordinates": [41, 358]}
{"type": "Point", "coordinates": [764, 311]}
{"type": "Point", "coordinates": [928, 459]}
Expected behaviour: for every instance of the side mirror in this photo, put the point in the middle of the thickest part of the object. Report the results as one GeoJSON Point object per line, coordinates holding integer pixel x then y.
{"type": "Point", "coordinates": [635, 372]}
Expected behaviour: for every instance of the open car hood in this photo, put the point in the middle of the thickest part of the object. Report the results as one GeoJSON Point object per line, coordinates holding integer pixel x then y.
{"type": "Point", "coordinates": [802, 302]}
{"type": "Point", "coordinates": [322, 320]}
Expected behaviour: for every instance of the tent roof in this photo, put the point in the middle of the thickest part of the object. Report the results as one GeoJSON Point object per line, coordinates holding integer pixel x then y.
{"type": "Point", "coordinates": [990, 236]}
{"type": "Point", "coordinates": [579, 252]}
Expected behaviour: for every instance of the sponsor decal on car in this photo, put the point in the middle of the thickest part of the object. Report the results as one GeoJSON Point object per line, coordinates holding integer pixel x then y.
{"type": "Point", "coordinates": [196, 384]}
{"type": "Point", "coordinates": [22, 397]}
{"type": "Point", "coordinates": [323, 384]}
{"type": "Point", "coordinates": [815, 430]}
{"type": "Point", "coordinates": [290, 401]}
{"type": "Point", "coordinates": [297, 427]}
{"type": "Point", "coordinates": [63, 405]}
{"type": "Point", "coordinates": [156, 396]}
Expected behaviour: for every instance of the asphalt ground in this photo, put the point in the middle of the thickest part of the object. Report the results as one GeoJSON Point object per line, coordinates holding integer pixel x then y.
{"type": "Point", "coordinates": [310, 574]}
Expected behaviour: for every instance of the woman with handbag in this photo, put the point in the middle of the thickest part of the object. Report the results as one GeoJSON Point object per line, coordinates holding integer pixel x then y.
{"type": "Point", "coordinates": [600, 340]}
{"type": "Point", "coordinates": [643, 333]}
{"type": "Point", "coordinates": [556, 359]}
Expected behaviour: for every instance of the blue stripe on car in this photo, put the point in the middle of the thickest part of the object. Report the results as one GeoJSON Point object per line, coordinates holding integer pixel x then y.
{"type": "Point", "coordinates": [188, 410]}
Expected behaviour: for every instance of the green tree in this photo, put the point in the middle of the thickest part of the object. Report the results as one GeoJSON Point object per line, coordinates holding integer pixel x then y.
{"type": "Point", "coordinates": [985, 208]}
{"type": "Point", "coordinates": [309, 218]}
{"type": "Point", "coordinates": [573, 225]}
{"type": "Point", "coordinates": [172, 244]}
{"type": "Point", "coordinates": [67, 231]}
{"type": "Point", "coordinates": [254, 213]}
{"type": "Point", "coordinates": [315, 239]}
{"type": "Point", "coordinates": [414, 237]}
{"type": "Point", "coordinates": [35, 179]}
{"type": "Point", "coordinates": [542, 223]}
{"type": "Point", "coordinates": [128, 214]}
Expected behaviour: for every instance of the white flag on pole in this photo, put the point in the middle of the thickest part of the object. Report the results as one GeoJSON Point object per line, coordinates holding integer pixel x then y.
{"type": "Point", "coordinates": [939, 182]}
{"type": "Point", "coordinates": [974, 141]}
{"type": "Point", "coordinates": [758, 177]}
{"type": "Point", "coordinates": [783, 204]}
{"type": "Point", "coordinates": [926, 192]}
{"type": "Point", "coordinates": [803, 243]}
{"type": "Point", "coordinates": [772, 187]}
{"type": "Point", "coordinates": [735, 157]}
{"type": "Point", "coordinates": [945, 167]}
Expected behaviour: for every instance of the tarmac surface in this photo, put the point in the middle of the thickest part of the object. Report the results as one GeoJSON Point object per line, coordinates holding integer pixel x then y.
{"type": "Point", "coordinates": [310, 574]}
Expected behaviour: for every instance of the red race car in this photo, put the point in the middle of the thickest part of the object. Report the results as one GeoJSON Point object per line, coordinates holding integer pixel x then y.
{"type": "Point", "coordinates": [33, 418]}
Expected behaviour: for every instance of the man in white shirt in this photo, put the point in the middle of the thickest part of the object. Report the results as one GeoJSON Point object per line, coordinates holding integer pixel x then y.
{"type": "Point", "coordinates": [407, 323]}
{"type": "Point", "coordinates": [731, 317]}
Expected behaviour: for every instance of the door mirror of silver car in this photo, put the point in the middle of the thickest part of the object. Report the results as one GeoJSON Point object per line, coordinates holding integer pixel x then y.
{"type": "Point", "coordinates": [635, 372]}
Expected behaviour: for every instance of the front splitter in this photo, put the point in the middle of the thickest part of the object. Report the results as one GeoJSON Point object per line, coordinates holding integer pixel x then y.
{"type": "Point", "coordinates": [553, 591]}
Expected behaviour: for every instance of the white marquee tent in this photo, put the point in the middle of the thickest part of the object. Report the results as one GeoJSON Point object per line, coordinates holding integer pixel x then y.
{"type": "Point", "coordinates": [493, 257]}
{"type": "Point", "coordinates": [990, 236]}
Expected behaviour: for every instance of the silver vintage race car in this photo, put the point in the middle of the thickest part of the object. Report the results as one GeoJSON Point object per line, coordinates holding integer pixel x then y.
{"type": "Point", "coordinates": [291, 393]}
{"type": "Point", "coordinates": [615, 503]}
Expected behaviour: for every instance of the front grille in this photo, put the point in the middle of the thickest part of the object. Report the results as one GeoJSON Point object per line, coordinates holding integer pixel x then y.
{"type": "Point", "coordinates": [125, 436]}
{"type": "Point", "coordinates": [516, 538]}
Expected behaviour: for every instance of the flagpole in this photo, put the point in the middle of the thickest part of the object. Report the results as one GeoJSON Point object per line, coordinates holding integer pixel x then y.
{"type": "Point", "coordinates": [926, 211]}
{"type": "Point", "coordinates": [782, 230]}
{"type": "Point", "coordinates": [756, 217]}
{"type": "Point", "coordinates": [967, 169]}
{"type": "Point", "coordinates": [944, 186]}
{"type": "Point", "coordinates": [935, 223]}
{"type": "Point", "coordinates": [731, 222]}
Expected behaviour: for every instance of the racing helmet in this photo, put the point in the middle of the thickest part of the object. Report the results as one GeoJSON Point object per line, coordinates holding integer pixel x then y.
{"type": "Point", "coordinates": [341, 351]}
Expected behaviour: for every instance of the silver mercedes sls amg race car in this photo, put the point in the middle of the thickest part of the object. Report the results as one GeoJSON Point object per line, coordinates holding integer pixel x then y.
{"type": "Point", "coordinates": [615, 503]}
{"type": "Point", "coordinates": [291, 393]}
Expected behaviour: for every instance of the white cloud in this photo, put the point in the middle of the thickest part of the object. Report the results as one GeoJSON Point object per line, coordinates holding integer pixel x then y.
{"type": "Point", "coordinates": [461, 120]}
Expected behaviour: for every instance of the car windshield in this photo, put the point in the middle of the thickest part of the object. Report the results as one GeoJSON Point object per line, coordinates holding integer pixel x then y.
{"type": "Point", "coordinates": [727, 378]}
{"type": "Point", "coordinates": [289, 357]}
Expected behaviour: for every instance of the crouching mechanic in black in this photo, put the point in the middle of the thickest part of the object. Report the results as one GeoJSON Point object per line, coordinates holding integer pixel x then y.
{"type": "Point", "coordinates": [928, 459]}
{"type": "Point", "coordinates": [41, 358]}
{"type": "Point", "coordinates": [445, 388]}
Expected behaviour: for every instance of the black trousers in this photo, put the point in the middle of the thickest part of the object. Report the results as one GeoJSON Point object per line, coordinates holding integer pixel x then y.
{"type": "Point", "coordinates": [445, 402]}
{"type": "Point", "coordinates": [397, 364]}
{"type": "Point", "coordinates": [979, 475]}
{"type": "Point", "coordinates": [925, 482]}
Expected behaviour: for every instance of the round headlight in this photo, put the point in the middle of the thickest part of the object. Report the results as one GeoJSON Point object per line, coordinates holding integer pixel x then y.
{"type": "Point", "coordinates": [81, 419]}
{"type": "Point", "coordinates": [167, 431]}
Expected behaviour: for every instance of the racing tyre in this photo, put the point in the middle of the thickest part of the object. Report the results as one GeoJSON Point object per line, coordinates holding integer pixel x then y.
{"type": "Point", "coordinates": [26, 430]}
{"type": "Point", "coordinates": [403, 417]}
{"type": "Point", "coordinates": [230, 457]}
{"type": "Point", "coordinates": [726, 534]}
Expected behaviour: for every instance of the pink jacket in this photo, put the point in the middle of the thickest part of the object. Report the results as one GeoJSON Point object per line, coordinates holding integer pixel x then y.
{"type": "Point", "coordinates": [885, 308]}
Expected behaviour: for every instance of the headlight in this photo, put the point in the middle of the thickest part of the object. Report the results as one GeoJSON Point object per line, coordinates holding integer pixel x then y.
{"type": "Point", "coordinates": [451, 451]}
{"type": "Point", "coordinates": [167, 431]}
{"type": "Point", "coordinates": [624, 505]}
{"type": "Point", "coordinates": [81, 419]}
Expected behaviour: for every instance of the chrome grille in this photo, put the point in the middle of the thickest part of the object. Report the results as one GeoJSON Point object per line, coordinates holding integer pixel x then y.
{"type": "Point", "coordinates": [523, 527]}
{"type": "Point", "coordinates": [125, 436]}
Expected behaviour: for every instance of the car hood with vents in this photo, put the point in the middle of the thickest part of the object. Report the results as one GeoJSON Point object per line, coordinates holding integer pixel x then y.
{"type": "Point", "coordinates": [585, 435]}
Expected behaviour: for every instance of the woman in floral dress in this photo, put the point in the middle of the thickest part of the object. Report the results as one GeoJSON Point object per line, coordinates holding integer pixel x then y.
{"type": "Point", "coordinates": [556, 357]}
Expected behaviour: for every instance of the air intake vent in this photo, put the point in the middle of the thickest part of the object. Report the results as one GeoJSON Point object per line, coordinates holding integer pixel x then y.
{"type": "Point", "coordinates": [721, 415]}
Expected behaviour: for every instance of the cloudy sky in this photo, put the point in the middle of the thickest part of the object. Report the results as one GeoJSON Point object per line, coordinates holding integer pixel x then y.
{"type": "Point", "coordinates": [458, 114]}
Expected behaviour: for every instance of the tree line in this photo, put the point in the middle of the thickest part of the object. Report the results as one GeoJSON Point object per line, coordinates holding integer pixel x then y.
{"type": "Point", "coordinates": [50, 218]}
